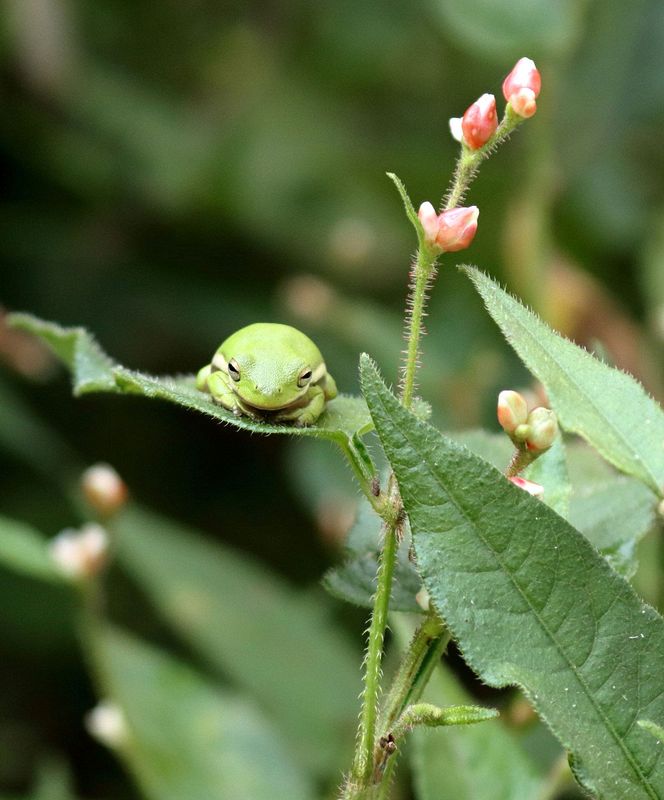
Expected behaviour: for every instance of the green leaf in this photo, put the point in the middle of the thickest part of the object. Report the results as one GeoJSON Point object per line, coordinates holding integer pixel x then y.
{"type": "Point", "coordinates": [272, 641]}
{"type": "Point", "coordinates": [604, 405]}
{"type": "Point", "coordinates": [531, 602]}
{"type": "Point", "coordinates": [550, 471]}
{"type": "Point", "coordinates": [93, 371]}
{"type": "Point", "coordinates": [187, 738]}
{"type": "Point", "coordinates": [614, 514]}
{"type": "Point", "coordinates": [23, 549]}
{"type": "Point", "coordinates": [408, 205]}
{"type": "Point", "coordinates": [355, 579]}
{"type": "Point", "coordinates": [479, 762]}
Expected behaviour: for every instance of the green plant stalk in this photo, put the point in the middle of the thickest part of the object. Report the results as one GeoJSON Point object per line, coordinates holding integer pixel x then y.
{"type": "Point", "coordinates": [363, 764]}
{"type": "Point", "coordinates": [418, 662]}
{"type": "Point", "coordinates": [423, 273]}
{"type": "Point", "coordinates": [469, 161]}
{"type": "Point", "coordinates": [430, 639]}
{"type": "Point", "coordinates": [364, 478]}
{"type": "Point", "coordinates": [361, 785]}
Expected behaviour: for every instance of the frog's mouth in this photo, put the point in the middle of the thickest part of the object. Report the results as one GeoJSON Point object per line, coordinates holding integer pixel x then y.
{"type": "Point", "coordinates": [298, 402]}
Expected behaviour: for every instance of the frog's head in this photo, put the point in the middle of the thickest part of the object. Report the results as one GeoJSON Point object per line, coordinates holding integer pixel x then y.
{"type": "Point", "coordinates": [269, 366]}
{"type": "Point", "coordinates": [268, 386]}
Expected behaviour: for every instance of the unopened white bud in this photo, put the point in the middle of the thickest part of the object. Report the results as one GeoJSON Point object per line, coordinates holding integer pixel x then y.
{"type": "Point", "coordinates": [80, 553]}
{"type": "Point", "coordinates": [456, 129]}
{"type": "Point", "coordinates": [107, 723]}
{"type": "Point", "coordinates": [104, 489]}
{"type": "Point", "coordinates": [423, 599]}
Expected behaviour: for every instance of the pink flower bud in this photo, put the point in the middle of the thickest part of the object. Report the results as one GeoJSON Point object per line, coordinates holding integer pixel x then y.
{"type": "Point", "coordinates": [79, 554]}
{"type": "Point", "coordinates": [104, 489]}
{"type": "Point", "coordinates": [543, 429]}
{"type": "Point", "coordinates": [429, 219]}
{"type": "Point", "coordinates": [480, 121]}
{"type": "Point", "coordinates": [512, 410]}
{"type": "Point", "coordinates": [457, 228]}
{"type": "Point", "coordinates": [524, 76]}
{"type": "Point", "coordinates": [528, 486]}
{"type": "Point", "coordinates": [523, 103]}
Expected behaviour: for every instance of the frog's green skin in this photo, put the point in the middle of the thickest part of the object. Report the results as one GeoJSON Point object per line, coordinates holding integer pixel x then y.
{"type": "Point", "coordinates": [269, 371]}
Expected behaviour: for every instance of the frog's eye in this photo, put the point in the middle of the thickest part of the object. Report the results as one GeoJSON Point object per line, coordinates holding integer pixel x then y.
{"type": "Point", "coordinates": [234, 370]}
{"type": "Point", "coordinates": [305, 377]}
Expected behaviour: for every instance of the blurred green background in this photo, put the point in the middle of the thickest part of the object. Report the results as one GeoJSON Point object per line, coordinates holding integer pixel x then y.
{"type": "Point", "coordinates": [173, 171]}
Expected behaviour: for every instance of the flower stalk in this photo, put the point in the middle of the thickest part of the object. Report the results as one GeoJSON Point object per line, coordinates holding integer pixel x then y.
{"type": "Point", "coordinates": [448, 231]}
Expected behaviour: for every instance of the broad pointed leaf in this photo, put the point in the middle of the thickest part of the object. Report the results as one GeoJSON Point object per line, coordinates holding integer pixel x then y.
{"type": "Point", "coordinates": [94, 371]}
{"type": "Point", "coordinates": [531, 602]}
{"type": "Point", "coordinates": [276, 643]}
{"type": "Point", "coordinates": [23, 549]}
{"type": "Point", "coordinates": [607, 407]}
{"type": "Point", "coordinates": [187, 738]}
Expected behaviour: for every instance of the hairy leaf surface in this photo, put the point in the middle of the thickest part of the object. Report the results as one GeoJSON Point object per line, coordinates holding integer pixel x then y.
{"type": "Point", "coordinates": [94, 371]}
{"type": "Point", "coordinates": [531, 602]}
{"type": "Point", "coordinates": [607, 407]}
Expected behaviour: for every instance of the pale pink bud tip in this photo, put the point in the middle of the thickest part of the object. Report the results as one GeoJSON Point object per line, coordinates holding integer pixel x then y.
{"type": "Point", "coordinates": [528, 486]}
{"type": "Point", "coordinates": [523, 103]}
{"type": "Point", "coordinates": [543, 425]}
{"type": "Point", "coordinates": [107, 723]}
{"type": "Point", "coordinates": [512, 410]}
{"type": "Point", "coordinates": [80, 553]}
{"type": "Point", "coordinates": [456, 129]}
{"type": "Point", "coordinates": [524, 75]}
{"type": "Point", "coordinates": [104, 489]}
{"type": "Point", "coordinates": [457, 228]}
{"type": "Point", "coordinates": [480, 121]}
{"type": "Point", "coordinates": [429, 219]}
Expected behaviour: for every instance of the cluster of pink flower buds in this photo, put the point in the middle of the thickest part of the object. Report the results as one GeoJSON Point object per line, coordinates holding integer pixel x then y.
{"type": "Point", "coordinates": [450, 230]}
{"type": "Point", "coordinates": [534, 431]}
{"type": "Point", "coordinates": [480, 121]}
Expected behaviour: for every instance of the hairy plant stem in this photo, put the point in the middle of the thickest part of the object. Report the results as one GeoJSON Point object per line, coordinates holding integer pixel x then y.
{"type": "Point", "coordinates": [423, 272]}
{"type": "Point", "coordinates": [363, 764]}
{"type": "Point", "coordinates": [418, 662]}
{"type": "Point", "coordinates": [364, 783]}
{"type": "Point", "coordinates": [521, 458]}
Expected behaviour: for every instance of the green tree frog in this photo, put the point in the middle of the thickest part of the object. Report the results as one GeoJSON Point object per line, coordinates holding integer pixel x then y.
{"type": "Point", "coordinates": [269, 372]}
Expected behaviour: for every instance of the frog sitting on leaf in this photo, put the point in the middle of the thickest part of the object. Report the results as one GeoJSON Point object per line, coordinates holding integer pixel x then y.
{"type": "Point", "coordinates": [269, 372]}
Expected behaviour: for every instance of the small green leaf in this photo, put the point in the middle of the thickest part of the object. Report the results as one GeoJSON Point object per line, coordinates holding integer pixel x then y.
{"type": "Point", "coordinates": [607, 407]}
{"type": "Point", "coordinates": [93, 371]}
{"type": "Point", "coordinates": [355, 579]}
{"type": "Point", "coordinates": [531, 602]}
{"type": "Point", "coordinates": [187, 738]}
{"type": "Point", "coordinates": [274, 642]}
{"type": "Point", "coordinates": [408, 205]}
{"type": "Point", "coordinates": [25, 550]}
{"type": "Point", "coordinates": [430, 716]}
